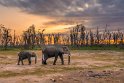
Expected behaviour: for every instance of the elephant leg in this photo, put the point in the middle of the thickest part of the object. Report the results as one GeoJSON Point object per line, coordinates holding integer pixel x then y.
{"type": "Point", "coordinates": [45, 63]}
{"type": "Point", "coordinates": [62, 59]}
{"type": "Point", "coordinates": [44, 59]}
{"type": "Point", "coordinates": [29, 60]}
{"type": "Point", "coordinates": [21, 59]}
{"type": "Point", "coordinates": [22, 62]}
{"type": "Point", "coordinates": [18, 61]}
{"type": "Point", "coordinates": [56, 57]}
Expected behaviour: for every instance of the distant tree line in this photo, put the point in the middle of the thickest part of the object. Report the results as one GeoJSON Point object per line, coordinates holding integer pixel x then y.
{"type": "Point", "coordinates": [76, 36]}
{"type": "Point", "coordinates": [79, 36]}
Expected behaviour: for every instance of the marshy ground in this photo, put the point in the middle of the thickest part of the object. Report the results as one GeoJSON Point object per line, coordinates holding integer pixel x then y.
{"type": "Point", "coordinates": [87, 66]}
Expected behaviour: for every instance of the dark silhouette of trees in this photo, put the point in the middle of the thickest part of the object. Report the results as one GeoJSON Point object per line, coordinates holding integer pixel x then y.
{"type": "Point", "coordinates": [5, 36]}
{"type": "Point", "coordinates": [91, 38]}
{"type": "Point", "coordinates": [82, 30]}
{"type": "Point", "coordinates": [78, 35]}
{"type": "Point", "coordinates": [30, 37]}
{"type": "Point", "coordinates": [97, 36]}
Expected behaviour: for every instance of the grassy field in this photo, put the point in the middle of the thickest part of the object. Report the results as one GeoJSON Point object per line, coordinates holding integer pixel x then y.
{"type": "Point", "coordinates": [80, 60]}
{"type": "Point", "coordinates": [94, 47]}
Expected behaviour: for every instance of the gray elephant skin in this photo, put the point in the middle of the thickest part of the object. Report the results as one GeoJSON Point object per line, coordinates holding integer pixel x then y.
{"type": "Point", "coordinates": [55, 51]}
{"type": "Point", "coordinates": [26, 55]}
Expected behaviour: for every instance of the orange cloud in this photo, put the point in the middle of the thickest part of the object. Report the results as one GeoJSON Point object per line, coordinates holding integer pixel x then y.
{"type": "Point", "coordinates": [13, 18]}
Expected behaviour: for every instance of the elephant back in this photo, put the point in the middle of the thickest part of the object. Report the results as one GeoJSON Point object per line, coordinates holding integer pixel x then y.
{"type": "Point", "coordinates": [24, 53]}
{"type": "Point", "coordinates": [50, 49]}
{"type": "Point", "coordinates": [60, 49]}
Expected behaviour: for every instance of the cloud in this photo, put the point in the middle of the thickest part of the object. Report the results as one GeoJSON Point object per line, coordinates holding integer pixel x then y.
{"type": "Point", "coordinates": [96, 11]}
{"type": "Point", "coordinates": [68, 21]}
{"type": "Point", "coordinates": [68, 7]}
{"type": "Point", "coordinates": [40, 7]}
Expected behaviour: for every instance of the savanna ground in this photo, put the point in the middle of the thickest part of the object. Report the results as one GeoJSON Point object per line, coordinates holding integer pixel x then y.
{"type": "Point", "coordinates": [87, 66]}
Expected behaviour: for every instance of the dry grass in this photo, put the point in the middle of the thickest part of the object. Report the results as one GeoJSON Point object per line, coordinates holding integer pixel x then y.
{"type": "Point", "coordinates": [80, 60]}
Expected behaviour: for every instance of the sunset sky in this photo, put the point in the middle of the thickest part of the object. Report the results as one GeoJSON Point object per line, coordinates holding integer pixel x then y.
{"type": "Point", "coordinates": [56, 15]}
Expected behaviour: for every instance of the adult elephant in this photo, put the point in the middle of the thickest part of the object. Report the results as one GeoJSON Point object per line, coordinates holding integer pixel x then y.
{"type": "Point", "coordinates": [55, 51]}
{"type": "Point", "coordinates": [26, 55]}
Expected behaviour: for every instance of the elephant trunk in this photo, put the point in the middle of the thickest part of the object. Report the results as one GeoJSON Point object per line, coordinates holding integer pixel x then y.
{"type": "Point", "coordinates": [69, 58]}
{"type": "Point", "coordinates": [35, 59]}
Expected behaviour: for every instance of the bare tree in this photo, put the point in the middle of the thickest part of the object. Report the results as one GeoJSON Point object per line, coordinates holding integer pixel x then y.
{"type": "Point", "coordinates": [91, 38]}
{"type": "Point", "coordinates": [6, 36]}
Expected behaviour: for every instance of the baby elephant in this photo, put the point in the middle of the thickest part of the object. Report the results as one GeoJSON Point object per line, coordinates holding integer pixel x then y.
{"type": "Point", "coordinates": [26, 55]}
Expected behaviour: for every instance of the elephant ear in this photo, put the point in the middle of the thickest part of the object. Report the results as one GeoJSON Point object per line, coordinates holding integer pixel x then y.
{"type": "Point", "coordinates": [65, 50]}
